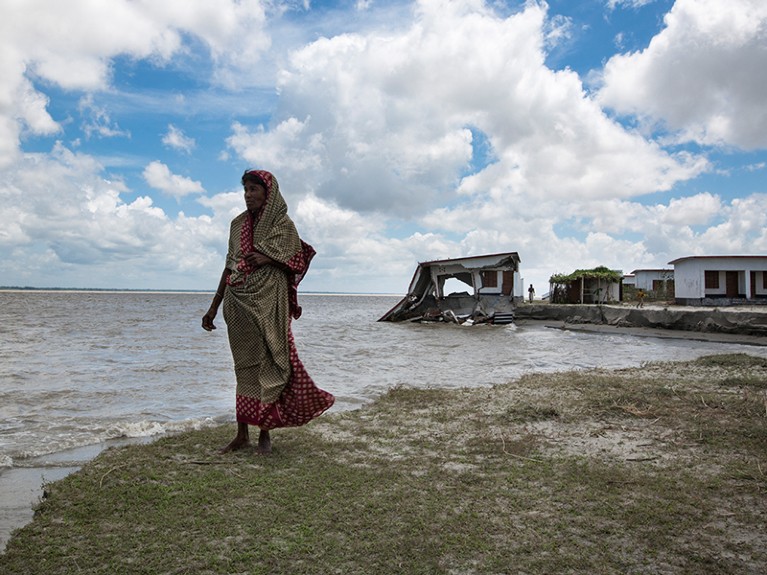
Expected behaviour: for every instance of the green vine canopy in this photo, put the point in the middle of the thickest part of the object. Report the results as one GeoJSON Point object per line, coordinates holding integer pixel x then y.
{"type": "Point", "coordinates": [600, 273]}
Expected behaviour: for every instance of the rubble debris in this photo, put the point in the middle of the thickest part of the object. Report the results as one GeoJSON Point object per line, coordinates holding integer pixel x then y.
{"type": "Point", "coordinates": [496, 289]}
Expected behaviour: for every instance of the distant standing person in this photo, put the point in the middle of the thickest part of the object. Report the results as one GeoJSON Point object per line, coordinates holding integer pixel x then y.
{"type": "Point", "coordinates": [530, 293]}
{"type": "Point", "coordinates": [259, 288]}
{"type": "Point", "coordinates": [640, 298]}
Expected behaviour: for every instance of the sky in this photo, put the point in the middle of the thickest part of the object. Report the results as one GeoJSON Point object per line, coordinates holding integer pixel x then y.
{"type": "Point", "coordinates": [623, 133]}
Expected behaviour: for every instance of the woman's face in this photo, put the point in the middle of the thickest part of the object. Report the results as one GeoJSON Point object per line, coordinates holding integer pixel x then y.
{"type": "Point", "coordinates": [255, 196]}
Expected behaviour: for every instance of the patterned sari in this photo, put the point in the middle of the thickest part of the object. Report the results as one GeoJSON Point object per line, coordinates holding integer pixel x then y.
{"type": "Point", "coordinates": [273, 388]}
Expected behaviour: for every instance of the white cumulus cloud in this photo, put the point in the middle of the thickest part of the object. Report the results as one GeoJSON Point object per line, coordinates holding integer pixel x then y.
{"type": "Point", "coordinates": [159, 176]}
{"type": "Point", "coordinates": [176, 139]}
{"type": "Point", "coordinates": [701, 77]}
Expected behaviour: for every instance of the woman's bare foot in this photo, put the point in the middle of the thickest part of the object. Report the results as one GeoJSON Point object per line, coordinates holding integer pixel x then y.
{"type": "Point", "coordinates": [242, 439]}
{"type": "Point", "coordinates": [264, 442]}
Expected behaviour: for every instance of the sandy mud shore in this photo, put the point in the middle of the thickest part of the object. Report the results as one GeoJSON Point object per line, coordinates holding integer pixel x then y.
{"type": "Point", "coordinates": [704, 323]}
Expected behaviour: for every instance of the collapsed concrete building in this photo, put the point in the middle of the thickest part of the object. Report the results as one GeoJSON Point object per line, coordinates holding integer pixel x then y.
{"type": "Point", "coordinates": [494, 288]}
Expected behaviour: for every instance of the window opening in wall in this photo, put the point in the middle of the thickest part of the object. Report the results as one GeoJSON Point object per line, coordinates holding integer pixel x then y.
{"type": "Point", "coordinates": [712, 279]}
{"type": "Point", "coordinates": [490, 279]}
{"type": "Point", "coordinates": [455, 286]}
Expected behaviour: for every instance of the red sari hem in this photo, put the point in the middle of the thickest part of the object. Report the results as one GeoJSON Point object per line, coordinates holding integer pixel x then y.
{"type": "Point", "coordinates": [300, 401]}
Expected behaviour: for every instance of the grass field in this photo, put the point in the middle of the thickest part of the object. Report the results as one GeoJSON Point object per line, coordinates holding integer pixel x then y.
{"type": "Point", "coordinates": [658, 469]}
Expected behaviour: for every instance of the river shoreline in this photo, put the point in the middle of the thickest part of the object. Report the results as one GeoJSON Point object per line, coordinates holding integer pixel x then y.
{"type": "Point", "coordinates": [694, 321]}
{"type": "Point", "coordinates": [654, 332]}
{"type": "Point", "coordinates": [651, 469]}
{"type": "Point", "coordinates": [21, 487]}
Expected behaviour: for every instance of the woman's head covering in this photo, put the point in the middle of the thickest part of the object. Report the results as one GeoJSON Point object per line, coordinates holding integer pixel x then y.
{"type": "Point", "coordinates": [269, 231]}
{"type": "Point", "coordinates": [258, 176]}
{"type": "Point", "coordinates": [274, 209]}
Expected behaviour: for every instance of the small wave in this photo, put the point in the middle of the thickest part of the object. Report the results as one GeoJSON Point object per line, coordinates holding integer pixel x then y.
{"type": "Point", "coordinates": [137, 429]}
{"type": "Point", "coordinates": [153, 428]}
{"type": "Point", "coordinates": [158, 368]}
{"type": "Point", "coordinates": [86, 438]}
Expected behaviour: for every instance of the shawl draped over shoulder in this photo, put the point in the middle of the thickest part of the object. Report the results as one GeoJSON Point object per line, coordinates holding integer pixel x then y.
{"type": "Point", "coordinates": [273, 388]}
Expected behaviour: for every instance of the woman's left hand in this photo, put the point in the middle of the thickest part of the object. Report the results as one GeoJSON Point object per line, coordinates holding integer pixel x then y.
{"type": "Point", "coordinates": [207, 319]}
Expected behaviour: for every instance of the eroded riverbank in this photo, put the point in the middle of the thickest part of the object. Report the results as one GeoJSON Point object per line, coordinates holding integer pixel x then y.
{"type": "Point", "coordinates": [736, 320]}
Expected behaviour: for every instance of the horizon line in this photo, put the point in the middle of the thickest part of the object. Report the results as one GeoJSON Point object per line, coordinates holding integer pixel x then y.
{"type": "Point", "coordinates": [168, 290]}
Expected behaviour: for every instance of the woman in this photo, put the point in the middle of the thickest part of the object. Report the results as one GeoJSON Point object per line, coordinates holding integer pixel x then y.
{"type": "Point", "coordinates": [265, 262]}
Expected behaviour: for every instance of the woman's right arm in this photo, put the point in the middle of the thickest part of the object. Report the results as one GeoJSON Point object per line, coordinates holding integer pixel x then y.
{"type": "Point", "coordinates": [207, 319]}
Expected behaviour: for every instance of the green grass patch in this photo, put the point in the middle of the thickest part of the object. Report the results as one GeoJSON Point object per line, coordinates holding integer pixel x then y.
{"type": "Point", "coordinates": [731, 360]}
{"type": "Point", "coordinates": [602, 472]}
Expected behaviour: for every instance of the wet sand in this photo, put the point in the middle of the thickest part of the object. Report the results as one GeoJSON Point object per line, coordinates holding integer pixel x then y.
{"type": "Point", "coordinates": [20, 491]}
{"type": "Point", "coordinates": [713, 337]}
{"type": "Point", "coordinates": [22, 487]}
